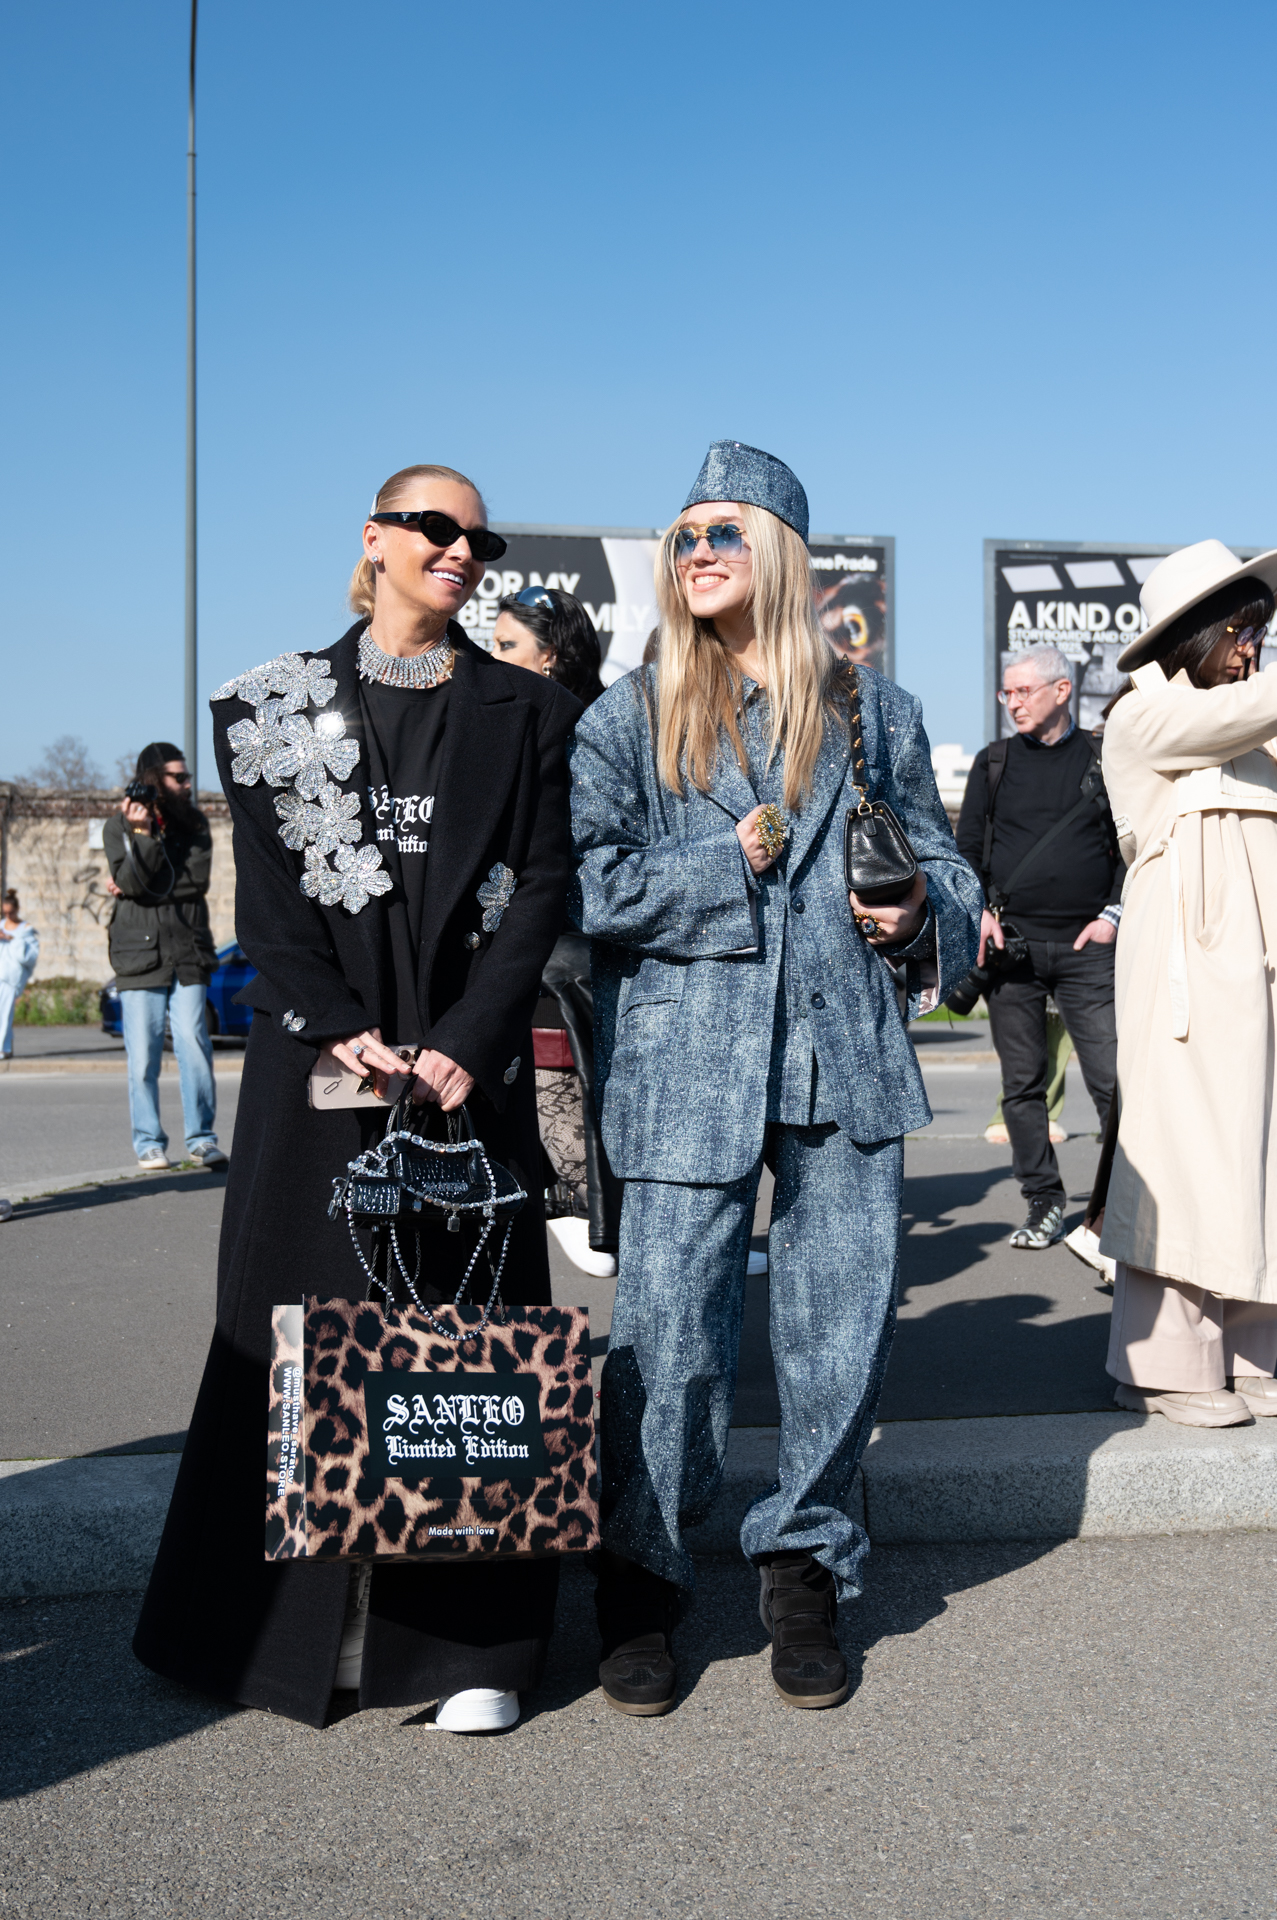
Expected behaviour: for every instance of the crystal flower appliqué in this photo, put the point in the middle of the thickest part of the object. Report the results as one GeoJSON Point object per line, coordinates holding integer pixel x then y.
{"type": "Point", "coordinates": [298, 681]}
{"type": "Point", "coordinates": [494, 896]}
{"type": "Point", "coordinates": [328, 822]}
{"type": "Point", "coordinates": [359, 875]}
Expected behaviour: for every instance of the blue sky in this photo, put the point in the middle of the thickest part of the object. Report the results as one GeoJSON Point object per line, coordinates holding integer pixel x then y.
{"type": "Point", "coordinates": [973, 271]}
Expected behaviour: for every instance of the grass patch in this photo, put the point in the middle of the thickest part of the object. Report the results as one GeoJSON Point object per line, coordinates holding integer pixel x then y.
{"type": "Point", "coordinates": [58, 1002]}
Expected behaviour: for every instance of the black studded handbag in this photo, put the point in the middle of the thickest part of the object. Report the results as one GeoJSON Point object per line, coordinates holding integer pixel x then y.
{"type": "Point", "coordinates": [393, 1183]}
{"type": "Point", "coordinates": [879, 864]}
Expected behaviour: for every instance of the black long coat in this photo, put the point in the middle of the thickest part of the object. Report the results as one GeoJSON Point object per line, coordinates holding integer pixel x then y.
{"type": "Point", "coordinates": [216, 1616]}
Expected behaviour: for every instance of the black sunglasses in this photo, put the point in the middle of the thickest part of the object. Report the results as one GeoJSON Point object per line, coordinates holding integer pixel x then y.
{"type": "Point", "coordinates": [723, 537]}
{"type": "Point", "coordinates": [441, 531]}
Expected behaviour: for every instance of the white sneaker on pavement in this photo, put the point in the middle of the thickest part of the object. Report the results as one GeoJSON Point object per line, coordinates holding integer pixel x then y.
{"type": "Point", "coordinates": [574, 1237]}
{"type": "Point", "coordinates": [1086, 1245]}
{"type": "Point", "coordinates": [1214, 1407]}
{"type": "Point", "coordinates": [1259, 1391]}
{"type": "Point", "coordinates": [210, 1156]}
{"type": "Point", "coordinates": [477, 1710]}
{"type": "Point", "coordinates": [156, 1161]}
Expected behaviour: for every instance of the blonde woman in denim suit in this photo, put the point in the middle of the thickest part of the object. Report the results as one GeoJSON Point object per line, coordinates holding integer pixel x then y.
{"type": "Point", "coordinates": [746, 1015]}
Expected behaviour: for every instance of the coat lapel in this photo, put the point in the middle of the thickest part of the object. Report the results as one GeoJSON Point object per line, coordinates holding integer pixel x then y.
{"type": "Point", "coordinates": [730, 789]}
{"type": "Point", "coordinates": [485, 721]}
{"type": "Point", "coordinates": [827, 781]}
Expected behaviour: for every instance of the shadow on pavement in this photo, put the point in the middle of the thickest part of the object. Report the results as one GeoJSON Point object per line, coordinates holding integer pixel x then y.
{"type": "Point", "coordinates": [987, 1357]}
{"type": "Point", "coordinates": [78, 1700]}
{"type": "Point", "coordinates": [156, 1443]}
{"type": "Point", "coordinates": [77, 1199]}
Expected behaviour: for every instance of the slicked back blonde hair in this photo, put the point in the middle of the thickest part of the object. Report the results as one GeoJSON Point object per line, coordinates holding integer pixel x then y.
{"type": "Point", "coordinates": [698, 691]}
{"type": "Point", "coordinates": [363, 581]}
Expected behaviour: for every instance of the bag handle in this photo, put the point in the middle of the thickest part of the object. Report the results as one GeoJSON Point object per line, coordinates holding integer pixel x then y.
{"type": "Point", "coordinates": [864, 805]}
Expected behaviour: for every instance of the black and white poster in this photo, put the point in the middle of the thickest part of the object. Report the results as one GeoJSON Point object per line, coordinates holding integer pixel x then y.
{"type": "Point", "coordinates": [611, 572]}
{"type": "Point", "coordinates": [1083, 598]}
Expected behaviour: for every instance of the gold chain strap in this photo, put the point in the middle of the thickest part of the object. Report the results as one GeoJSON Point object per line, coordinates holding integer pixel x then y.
{"type": "Point", "coordinates": [857, 745]}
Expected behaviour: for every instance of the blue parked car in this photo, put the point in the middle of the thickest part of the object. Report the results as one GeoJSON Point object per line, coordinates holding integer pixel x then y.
{"type": "Point", "coordinates": [233, 971]}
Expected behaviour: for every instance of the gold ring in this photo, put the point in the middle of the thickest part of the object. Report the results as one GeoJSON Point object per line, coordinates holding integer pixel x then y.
{"type": "Point", "coordinates": [772, 829]}
{"type": "Point", "coordinates": [867, 927]}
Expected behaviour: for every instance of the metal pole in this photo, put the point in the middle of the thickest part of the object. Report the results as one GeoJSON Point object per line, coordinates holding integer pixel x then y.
{"type": "Point", "coordinates": [192, 621]}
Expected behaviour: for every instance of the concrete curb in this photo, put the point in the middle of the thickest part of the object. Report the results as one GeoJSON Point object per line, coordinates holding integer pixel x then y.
{"type": "Point", "coordinates": [81, 1526]}
{"type": "Point", "coordinates": [48, 1185]}
{"type": "Point", "coordinates": [92, 1526]}
{"type": "Point", "coordinates": [71, 1063]}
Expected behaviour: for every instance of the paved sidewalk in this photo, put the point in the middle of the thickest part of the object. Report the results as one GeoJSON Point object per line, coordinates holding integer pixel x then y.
{"type": "Point", "coordinates": [1041, 1732]}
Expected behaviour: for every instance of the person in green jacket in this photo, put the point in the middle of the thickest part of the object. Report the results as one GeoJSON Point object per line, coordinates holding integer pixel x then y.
{"type": "Point", "coordinates": [160, 850]}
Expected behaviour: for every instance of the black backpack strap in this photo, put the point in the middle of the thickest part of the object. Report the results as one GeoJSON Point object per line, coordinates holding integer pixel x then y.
{"type": "Point", "coordinates": [996, 765]}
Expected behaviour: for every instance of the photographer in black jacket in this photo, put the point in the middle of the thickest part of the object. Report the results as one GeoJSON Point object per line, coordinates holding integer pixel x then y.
{"type": "Point", "coordinates": [160, 849]}
{"type": "Point", "coordinates": [1036, 826]}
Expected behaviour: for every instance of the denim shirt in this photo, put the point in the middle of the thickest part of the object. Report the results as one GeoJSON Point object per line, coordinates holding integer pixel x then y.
{"type": "Point", "coordinates": [793, 1073]}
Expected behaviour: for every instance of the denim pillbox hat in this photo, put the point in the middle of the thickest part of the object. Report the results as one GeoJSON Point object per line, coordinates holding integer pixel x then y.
{"type": "Point", "coordinates": [733, 471]}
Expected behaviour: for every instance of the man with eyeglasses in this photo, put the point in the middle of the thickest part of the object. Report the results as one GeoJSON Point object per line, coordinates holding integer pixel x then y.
{"type": "Point", "coordinates": [160, 850]}
{"type": "Point", "coordinates": [1036, 826]}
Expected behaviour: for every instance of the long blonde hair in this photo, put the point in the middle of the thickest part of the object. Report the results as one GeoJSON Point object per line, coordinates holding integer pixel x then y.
{"type": "Point", "coordinates": [363, 581]}
{"type": "Point", "coordinates": [698, 691]}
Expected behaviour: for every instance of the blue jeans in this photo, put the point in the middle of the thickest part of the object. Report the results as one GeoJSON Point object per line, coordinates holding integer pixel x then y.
{"type": "Point", "coordinates": [142, 1011]}
{"type": "Point", "coordinates": [669, 1379]}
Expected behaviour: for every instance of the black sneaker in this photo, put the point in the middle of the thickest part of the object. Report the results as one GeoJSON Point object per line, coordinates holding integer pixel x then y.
{"type": "Point", "coordinates": [1044, 1226]}
{"type": "Point", "coordinates": [637, 1613]}
{"type": "Point", "coordinates": [797, 1603]}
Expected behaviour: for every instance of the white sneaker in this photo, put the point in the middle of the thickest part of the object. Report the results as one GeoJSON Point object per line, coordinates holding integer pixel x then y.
{"type": "Point", "coordinates": [350, 1659]}
{"type": "Point", "coordinates": [1086, 1245]}
{"type": "Point", "coordinates": [574, 1237]}
{"type": "Point", "coordinates": [208, 1156]}
{"type": "Point", "coordinates": [757, 1263]}
{"type": "Point", "coordinates": [156, 1161]}
{"type": "Point", "coordinates": [477, 1710]}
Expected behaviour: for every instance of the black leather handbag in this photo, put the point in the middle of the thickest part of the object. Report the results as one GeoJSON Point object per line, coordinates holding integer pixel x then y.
{"type": "Point", "coordinates": [391, 1184]}
{"type": "Point", "coordinates": [879, 864]}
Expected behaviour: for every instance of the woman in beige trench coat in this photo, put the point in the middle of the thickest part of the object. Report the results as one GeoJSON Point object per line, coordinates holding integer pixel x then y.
{"type": "Point", "coordinates": [1190, 763]}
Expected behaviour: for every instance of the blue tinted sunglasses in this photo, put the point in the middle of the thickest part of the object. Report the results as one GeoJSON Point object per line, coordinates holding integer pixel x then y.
{"type": "Point", "coordinates": [724, 537]}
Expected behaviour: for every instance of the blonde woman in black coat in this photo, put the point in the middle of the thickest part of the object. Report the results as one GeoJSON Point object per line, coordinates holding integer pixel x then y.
{"type": "Point", "coordinates": [375, 787]}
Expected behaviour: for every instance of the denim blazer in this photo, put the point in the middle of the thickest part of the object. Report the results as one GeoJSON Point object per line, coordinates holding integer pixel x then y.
{"type": "Point", "coordinates": [687, 953]}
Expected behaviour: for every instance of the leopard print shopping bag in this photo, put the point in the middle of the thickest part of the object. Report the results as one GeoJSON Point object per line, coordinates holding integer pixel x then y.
{"type": "Point", "coordinates": [387, 1442]}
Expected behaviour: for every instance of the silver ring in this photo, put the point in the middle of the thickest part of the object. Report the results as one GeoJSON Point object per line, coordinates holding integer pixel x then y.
{"type": "Point", "coordinates": [357, 1049]}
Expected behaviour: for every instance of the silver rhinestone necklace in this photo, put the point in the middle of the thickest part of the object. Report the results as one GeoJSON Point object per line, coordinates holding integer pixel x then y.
{"type": "Point", "coordinates": [415, 670]}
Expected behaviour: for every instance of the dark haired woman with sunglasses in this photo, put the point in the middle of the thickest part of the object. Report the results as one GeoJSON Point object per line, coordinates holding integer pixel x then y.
{"type": "Point", "coordinates": [400, 811]}
{"type": "Point", "coordinates": [549, 632]}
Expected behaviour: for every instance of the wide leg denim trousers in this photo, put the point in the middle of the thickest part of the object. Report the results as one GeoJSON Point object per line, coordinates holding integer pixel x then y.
{"type": "Point", "coordinates": [669, 1379]}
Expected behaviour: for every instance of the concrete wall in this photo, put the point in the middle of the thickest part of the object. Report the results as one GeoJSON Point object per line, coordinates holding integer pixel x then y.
{"type": "Point", "coordinates": [48, 852]}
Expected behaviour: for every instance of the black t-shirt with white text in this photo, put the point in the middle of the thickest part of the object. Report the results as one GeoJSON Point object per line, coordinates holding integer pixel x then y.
{"type": "Point", "coordinates": [405, 729]}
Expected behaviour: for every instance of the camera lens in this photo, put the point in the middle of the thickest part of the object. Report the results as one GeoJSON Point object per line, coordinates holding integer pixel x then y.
{"type": "Point", "coordinates": [968, 990]}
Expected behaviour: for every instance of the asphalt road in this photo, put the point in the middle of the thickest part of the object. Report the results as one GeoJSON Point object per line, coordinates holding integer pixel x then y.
{"type": "Point", "coordinates": [1035, 1731]}
{"type": "Point", "coordinates": [106, 1293]}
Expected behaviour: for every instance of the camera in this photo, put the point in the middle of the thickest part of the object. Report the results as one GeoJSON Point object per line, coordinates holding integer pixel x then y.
{"type": "Point", "coordinates": [140, 790]}
{"type": "Point", "coordinates": [963, 997]}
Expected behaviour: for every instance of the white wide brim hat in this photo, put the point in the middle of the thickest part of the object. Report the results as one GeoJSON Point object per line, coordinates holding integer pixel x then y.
{"type": "Point", "coordinates": [1186, 576]}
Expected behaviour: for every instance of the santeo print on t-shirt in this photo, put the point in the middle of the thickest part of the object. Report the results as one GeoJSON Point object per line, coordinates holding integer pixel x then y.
{"type": "Point", "coordinates": [404, 819]}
